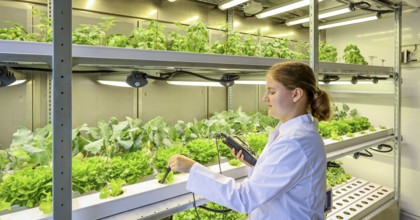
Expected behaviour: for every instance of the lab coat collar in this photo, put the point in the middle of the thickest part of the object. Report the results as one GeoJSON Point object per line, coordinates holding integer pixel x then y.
{"type": "Point", "coordinates": [306, 118]}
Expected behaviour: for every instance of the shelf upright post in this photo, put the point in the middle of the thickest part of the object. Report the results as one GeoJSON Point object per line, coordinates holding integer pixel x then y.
{"type": "Point", "coordinates": [230, 91]}
{"type": "Point", "coordinates": [61, 109]}
{"type": "Point", "coordinates": [313, 37]}
{"type": "Point", "coordinates": [397, 107]}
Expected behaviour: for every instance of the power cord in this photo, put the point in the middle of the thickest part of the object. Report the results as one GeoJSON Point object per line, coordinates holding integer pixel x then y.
{"type": "Point", "coordinates": [223, 211]}
{"type": "Point", "coordinates": [358, 154]}
{"type": "Point", "coordinates": [380, 149]}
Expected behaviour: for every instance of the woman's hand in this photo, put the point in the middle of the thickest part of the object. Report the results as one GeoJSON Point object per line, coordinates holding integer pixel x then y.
{"type": "Point", "coordinates": [240, 156]}
{"type": "Point", "coordinates": [180, 163]}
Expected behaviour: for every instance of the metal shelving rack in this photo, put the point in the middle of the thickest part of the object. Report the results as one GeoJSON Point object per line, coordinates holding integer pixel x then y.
{"type": "Point", "coordinates": [63, 58]}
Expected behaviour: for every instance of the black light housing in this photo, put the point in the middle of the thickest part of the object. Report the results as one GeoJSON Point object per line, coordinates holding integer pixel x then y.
{"type": "Point", "coordinates": [353, 80]}
{"type": "Point", "coordinates": [7, 76]}
{"type": "Point", "coordinates": [137, 79]}
{"type": "Point", "coordinates": [228, 80]}
{"type": "Point", "coordinates": [329, 78]}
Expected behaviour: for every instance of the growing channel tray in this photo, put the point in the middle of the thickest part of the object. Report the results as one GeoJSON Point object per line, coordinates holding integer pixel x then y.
{"type": "Point", "coordinates": [135, 196]}
{"type": "Point", "coordinates": [336, 149]}
{"type": "Point", "coordinates": [358, 198]}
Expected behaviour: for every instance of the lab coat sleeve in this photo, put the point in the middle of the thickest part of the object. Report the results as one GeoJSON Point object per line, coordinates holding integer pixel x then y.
{"type": "Point", "coordinates": [277, 173]}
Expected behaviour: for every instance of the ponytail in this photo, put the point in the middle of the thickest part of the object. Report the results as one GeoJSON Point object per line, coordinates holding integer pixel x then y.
{"type": "Point", "coordinates": [320, 106]}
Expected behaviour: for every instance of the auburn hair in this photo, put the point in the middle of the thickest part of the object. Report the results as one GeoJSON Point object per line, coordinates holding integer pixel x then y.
{"type": "Point", "coordinates": [299, 75]}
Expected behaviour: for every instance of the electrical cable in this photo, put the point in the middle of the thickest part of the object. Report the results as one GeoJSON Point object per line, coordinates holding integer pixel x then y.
{"type": "Point", "coordinates": [379, 148]}
{"type": "Point", "coordinates": [222, 211]}
{"type": "Point", "coordinates": [366, 7]}
{"type": "Point", "coordinates": [195, 207]}
{"type": "Point", "coordinates": [358, 154]}
{"type": "Point", "coordinates": [231, 77]}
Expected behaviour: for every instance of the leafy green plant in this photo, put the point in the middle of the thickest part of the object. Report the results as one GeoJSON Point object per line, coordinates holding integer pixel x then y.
{"type": "Point", "coordinates": [202, 150]}
{"type": "Point", "coordinates": [235, 162]}
{"type": "Point", "coordinates": [197, 38]}
{"type": "Point", "coordinates": [31, 149]}
{"type": "Point", "coordinates": [114, 188]}
{"type": "Point", "coordinates": [46, 204]}
{"type": "Point", "coordinates": [278, 48]}
{"type": "Point", "coordinates": [327, 52]}
{"type": "Point", "coordinates": [337, 175]}
{"type": "Point", "coordinates": [118, 40]}
{"type": "Point", "coordinates": [151, 37]}
{"type": "Point", "coordinates": [44, 28]}
{"type": "Point", "coordinates": [352, 55]}
{"type": "Point", "coordinates": [344, 121]}
{"type": "Point", "coordinates": [87, 34]}
{"type": "Point", "coordinates": [16, 32]}
{"type": "Point", "coordinates": [301, 50]}
{"type": "Point", "coordinates": [250, 46]}
{"type": "Point", "coordinates": [257, 141]}
{"type": "Point", "coordinates": [89, 174]}
{"type": "Point", "coordinates": [208, 215]}
{"type": "Point", "coordinates": [162, 155]}
{"type": "Point", "coordinates": [176, 41]}
{"type": "Point", "coordinates": [129, 167]}
{"type": "Point", "coordinates": [26, 187]}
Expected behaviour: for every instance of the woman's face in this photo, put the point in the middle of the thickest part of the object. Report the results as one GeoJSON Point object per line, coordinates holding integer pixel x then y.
{"type": "Point", "coordinates": [279, 100]}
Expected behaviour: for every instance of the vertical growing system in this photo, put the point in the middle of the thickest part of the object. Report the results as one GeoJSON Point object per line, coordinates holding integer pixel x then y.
{"type": "Point", "coordinates": [147, 198]}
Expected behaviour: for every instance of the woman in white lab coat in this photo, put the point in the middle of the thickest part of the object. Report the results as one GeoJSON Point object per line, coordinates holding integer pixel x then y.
{"type": "Point", "coordinates": [288, 180]}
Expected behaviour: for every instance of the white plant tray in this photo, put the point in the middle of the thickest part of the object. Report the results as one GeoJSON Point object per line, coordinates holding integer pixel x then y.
{"type": "Point", "coordinates": [135, 196]}
{"type": "Point", "coordinates": [358, 199]}
{"type": "Point", "coordinates": [336, 149]}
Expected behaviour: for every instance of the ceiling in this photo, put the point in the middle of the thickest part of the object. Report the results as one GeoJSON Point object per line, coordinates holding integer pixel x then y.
{"type": "Point", "coordinates": [363, 7]}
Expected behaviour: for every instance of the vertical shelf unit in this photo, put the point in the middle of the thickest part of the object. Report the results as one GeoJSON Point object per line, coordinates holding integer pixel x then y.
{"type": "Point", "coordinates": [63, 57]}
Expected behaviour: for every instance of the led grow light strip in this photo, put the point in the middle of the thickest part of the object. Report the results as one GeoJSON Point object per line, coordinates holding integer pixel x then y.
{"type": "Point", "coordinates": [348, 22]}
{"type": "Point", "coordinates": [283, 8]}
{"type": "Point", "coordinates": [230, 4]}
{"type": "Point", "coordinates": [326, 14]}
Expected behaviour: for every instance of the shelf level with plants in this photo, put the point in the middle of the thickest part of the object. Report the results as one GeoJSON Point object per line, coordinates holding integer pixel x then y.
{"type": "Point", "coordinates": [115, 151]}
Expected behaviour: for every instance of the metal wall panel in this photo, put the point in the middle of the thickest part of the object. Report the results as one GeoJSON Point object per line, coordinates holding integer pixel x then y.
{"type": "Point", "coordinates": [16, 12]}
{"type": "Point", "coordinates": [217, 100]}
{"type": "Point", "coordinates": [122, 26]}
{"type": "Point", "coordinates": [246, 96]}
{"type": "Point", "coordinates": [173, 102]}
{"type": "Point", "coordinates": [262, 106]}
{"type": "Point", "coordinates": [138, 8]}
{"type": "Point", "coordinates": [93, 102]}
{"type": "Point", "coordinates": [15, 105]}
{"type": "Point", "coordinates": [40, 99]}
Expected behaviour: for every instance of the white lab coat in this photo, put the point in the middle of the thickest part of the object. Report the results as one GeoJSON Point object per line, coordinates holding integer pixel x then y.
{"type": "Point", "coordinates": [288, 181]}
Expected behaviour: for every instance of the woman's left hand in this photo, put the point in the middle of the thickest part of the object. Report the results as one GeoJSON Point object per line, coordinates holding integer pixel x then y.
{"type": "Point", "coordinates": [180, 163]}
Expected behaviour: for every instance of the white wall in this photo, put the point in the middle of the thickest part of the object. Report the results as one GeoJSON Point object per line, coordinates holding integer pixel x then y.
{"type": "Point", "coordinates": [376, 39]}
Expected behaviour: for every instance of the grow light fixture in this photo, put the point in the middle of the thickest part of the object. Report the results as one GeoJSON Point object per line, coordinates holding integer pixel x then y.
{"type": "Point", "coordinates": [323, 14]}
{"type": "Point", "coordinates": [10, 77]}
{"type": "Point", "coordinates": [350, 21]}
{"type": "Point", "coordinates": [230, 3]}
{"type": "Point", "coordinates": [359, 79]}
{"type": "Point", "coordinates": [136, 79]}
{"type": "Point", "coordinates": [283, 8]}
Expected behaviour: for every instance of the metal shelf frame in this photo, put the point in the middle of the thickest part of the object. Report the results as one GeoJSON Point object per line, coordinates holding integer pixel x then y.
{"type": "Point", "coordinates": [17, 52]}
{"type": "Point", "coordinates": [63, 57]}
